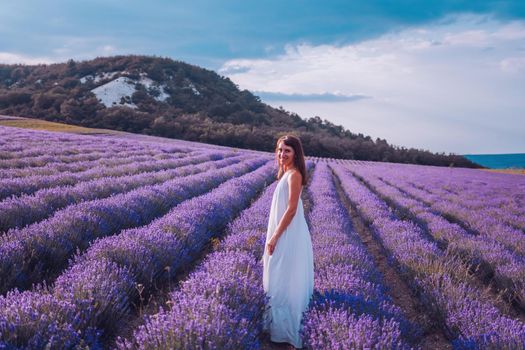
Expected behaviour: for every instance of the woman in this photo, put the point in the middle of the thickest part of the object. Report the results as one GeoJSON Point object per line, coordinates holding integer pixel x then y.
{"type": "Point", "coordinates": [288, 275]}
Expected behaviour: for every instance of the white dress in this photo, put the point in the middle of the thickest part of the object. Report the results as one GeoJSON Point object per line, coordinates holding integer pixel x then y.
{"type": "Point", "coordinates": [288, 274]}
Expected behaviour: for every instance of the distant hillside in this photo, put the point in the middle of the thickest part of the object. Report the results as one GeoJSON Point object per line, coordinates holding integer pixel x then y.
{"type": "Point", "coordinates": [163, 97]}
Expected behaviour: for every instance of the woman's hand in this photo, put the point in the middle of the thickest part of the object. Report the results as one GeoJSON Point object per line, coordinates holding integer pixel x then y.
{"type": "Point", "coordinates": [271, 244]}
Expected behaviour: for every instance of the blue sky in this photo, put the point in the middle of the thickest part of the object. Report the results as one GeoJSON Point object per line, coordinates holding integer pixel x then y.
{"type": "Point", "coordinates": [447, 76]}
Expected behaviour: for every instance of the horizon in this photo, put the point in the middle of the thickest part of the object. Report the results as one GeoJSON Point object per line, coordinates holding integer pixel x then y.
{"type": "Point", "coordinates": [438, 76]}
{"type": "Point", "coordinates": [492, 154]}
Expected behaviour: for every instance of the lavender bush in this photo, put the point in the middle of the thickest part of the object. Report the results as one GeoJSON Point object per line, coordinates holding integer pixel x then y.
{"type": "Point", "coordinates": [230, 280]}
{"type": "Point", "coordinates": [507, 267]}
{"type": "Point", "coordinates": [467, 312]}
{"type": "Point", "coordinates": [27, 209]}
{"type": "Point", "coordinates": [28, 255]}
{"type": "Point", "coordinates": [103, 283]}
{"type": "Point", "coordinates": [350, 307]}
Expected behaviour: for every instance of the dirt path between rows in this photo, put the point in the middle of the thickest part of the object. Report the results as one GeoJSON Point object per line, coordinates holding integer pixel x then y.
{"type": "Point", "coordinates": [399, 291]}
{"type": "Point", "coordinates": [481, 271]}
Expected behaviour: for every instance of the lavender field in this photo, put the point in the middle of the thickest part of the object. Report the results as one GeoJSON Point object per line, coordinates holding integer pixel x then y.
{"type": "Point", "coordinates": [122, 242]}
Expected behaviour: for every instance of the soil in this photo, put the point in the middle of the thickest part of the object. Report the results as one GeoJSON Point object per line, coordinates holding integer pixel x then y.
{"type": "Point", "coordinates": [482, 271]}
{"type": "Point", "coordinates": [433, 336]}
{"type": "Point", "coordinates": [267, 344]}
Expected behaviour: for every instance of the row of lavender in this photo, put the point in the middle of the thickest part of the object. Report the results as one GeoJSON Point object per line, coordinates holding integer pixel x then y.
{"type": "Point", "coordinates": [55, 170]}
{"type": "Point", "coordinates": [100, 288]}
{"type": "Point", "coordinates": [104, 285]}
{"type": "Point", "coordinates": [494, 194]}
{"type": "Point", "coordinates": [481, 189]}
{"type": "Point", "coordinates": [492, 215]}
{"type": "Point", "coordinates": [351, 307]}
{"type": "Point", "coordinates": [15, 139]}
{"type": "Point", "coordinates": [39, 251]}
{"type": "Point", "coordinates": [126, 166]}
{"type": "Point", "coordinates": [29, 208]}
{"type": "Point", "coordinates": [65, 159]}
{"type": "Point", "coordinates": [20, 161]}
{"type": "Point", "coordinates": [506, 266]}
{"type": "Point", "coordinates": [119, 158]}
{"type": "Point", "coordinates": [26, 148]}
{"type": "Point", "coordinates": [468, 313]}
{"type": "Point", "coordinates": [220, 305]}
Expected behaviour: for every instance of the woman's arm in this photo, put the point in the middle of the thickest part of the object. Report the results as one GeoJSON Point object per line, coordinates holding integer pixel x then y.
{"type": "Point", "coordinates": [294, 184]}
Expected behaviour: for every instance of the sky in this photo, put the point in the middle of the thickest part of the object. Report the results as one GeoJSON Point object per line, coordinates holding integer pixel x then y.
{"type": "Point", "coordinates": [445, 76]}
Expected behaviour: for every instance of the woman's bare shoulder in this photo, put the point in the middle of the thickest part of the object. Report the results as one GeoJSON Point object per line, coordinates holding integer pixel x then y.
{"type": "Point", "coordinates": [296, 175]}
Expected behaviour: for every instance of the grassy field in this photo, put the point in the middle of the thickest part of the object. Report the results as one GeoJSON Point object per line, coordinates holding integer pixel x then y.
{"type": "Point", "coordinates": [507, 171]}
{"type": "Point", "coordinates": [37, 124]}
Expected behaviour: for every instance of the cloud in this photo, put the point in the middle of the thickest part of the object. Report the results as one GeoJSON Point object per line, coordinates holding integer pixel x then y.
{"type": "Point", "coordinates": [14, 58]}
{"type": "Point", "coordinates": [212, 31]}
{"type": "Point", "coordinates": [78, 48]}
{"type": "Point", "coordinates": [513, 64]}
{"type": "Point", "coordinates": [475, 38]}
{"type": "Point", "coordinates": [443, 86]}
{"type": "Point", "coordinates": [233, 69]}
{"type": "Point", "coordinates": [325, 97]}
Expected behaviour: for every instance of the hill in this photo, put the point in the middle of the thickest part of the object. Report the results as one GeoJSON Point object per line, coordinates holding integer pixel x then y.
{"type": "Point", "coordinates": [163, 97]}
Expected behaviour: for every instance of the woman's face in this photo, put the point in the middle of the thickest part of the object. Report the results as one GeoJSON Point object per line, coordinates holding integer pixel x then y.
{"type": "Point", "coordinates": [285, 154]}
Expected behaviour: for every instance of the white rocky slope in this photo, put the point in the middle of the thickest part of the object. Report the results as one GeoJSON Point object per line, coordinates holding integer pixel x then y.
{"type": "Point", "coordinates": [118, 91]}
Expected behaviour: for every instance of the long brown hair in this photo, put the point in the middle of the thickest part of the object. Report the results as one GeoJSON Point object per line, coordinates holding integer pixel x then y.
{"type": "Point", "coordinates": [298, 160]}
